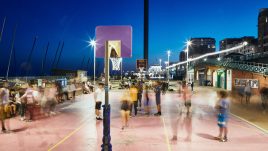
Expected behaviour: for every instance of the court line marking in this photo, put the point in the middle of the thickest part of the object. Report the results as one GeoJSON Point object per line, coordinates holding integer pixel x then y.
{"type": "Point", "coordinates": [68, 136]}
{"type": "Point", "coordinates": [166, 134]}
{"type": "Point", "coordinates": [250, 123]}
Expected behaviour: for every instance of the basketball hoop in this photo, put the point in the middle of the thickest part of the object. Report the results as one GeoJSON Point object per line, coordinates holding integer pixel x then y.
{"type": "Point", "coordinates": [116, 63]}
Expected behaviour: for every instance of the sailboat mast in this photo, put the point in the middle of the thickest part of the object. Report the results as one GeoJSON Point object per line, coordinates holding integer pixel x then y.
{"type": "Point", "coordinates": [11, 50]}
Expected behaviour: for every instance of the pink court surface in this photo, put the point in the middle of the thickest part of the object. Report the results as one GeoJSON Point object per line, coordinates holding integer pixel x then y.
{"type": "Point", "coordinates": [74, 128]}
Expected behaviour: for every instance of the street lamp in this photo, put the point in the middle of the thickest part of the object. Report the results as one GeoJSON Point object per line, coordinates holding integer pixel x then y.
{"type": "Point", "coordinates": [93, 44]}
{"type": "Point", "coordinates": [168, 54]}
{"type": "Point", "coordinates": [188, 43]}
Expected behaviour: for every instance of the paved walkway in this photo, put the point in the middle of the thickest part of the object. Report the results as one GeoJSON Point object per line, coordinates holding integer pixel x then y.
{"type": "Point", "coordinates": [74, 128]}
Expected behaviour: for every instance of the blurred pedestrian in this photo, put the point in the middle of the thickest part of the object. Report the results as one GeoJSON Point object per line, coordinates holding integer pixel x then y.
{"type": "Point", "coordinates": [192, 85]}
{"type": "Point", "coordinates": [247, 92]}
{"type": "Point", "coordinates": [157, 90]}
{"type": "Point", "coordinates": [223, 106]}
{"type": "Point", "coordinates": [125, 109]}
{"type": "Point", "coordinates": [30, 101]}
{"type": "Point", "coordinates": [99, 97]}
{"type": "Point", "coordinates": [186, 95]}
{"type": "Point", "coordinates": [183, 121]}
{"type": "Point", "coordinates": [4, 98]}
{"type": "Point", "coordinates": [51, 100]}
{"type": "Point", "coordinates": [73, 89]}
{"type": "Point", "coordinates": [134, 99]}
{"type": "Point", "coordinates": [140, 91]}
{"type": "Point", "coordinates": [147, 100]}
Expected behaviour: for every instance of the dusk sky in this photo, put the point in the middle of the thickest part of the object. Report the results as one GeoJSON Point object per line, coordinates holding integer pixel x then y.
{"type": "Point", "coordinates": [171, 22]}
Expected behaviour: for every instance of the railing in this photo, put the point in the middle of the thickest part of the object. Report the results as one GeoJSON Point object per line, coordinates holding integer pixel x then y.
{"type": "Point", "coordinates": [255, 56]}
{"type": "Point", "coordinates": [240, 65]}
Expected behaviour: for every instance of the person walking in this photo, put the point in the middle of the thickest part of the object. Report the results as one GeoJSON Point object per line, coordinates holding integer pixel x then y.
{"type": "Point", "coordinates": [30, 101]}
{"type": "Point", "coordinates": [140, 91]}
{"type": "Point", "coordinates": [99, 97]}
{"type": "Point", "coordinates": [125, 109]}
{"type": "Point", "coordinates": [223, 106]}
{"type": "Point", "coordinates": [146, 105]}
{"type": "Point", "coordinates": [186, 95]}
{"type": "Point", "coordinates": [4, 97]}
{"type": "Point", "coordinates": [51, 100]}
{"type": "Point", "coordinates": [73, 89]}
{"type": "Point", "coordinates": [247, 92]}
{"type": "Point", "coordinates": [192, 85]}
{"type": "Point", "coordinates": [134, 99]}
{"type": "Point", "coordinates": [157, 90]}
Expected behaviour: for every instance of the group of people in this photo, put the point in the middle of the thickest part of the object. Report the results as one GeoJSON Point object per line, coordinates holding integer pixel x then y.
{"type": "Point", "coordinates": [133, 98]}
{"type": "Point", "coordinates": [13, 103]}
{"type": "Point", "coordinates": [245, 91]}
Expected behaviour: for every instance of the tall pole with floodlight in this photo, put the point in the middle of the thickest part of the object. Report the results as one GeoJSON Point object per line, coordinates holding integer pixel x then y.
{"type": "Point", "coordinates": [188, 43]}
{"type": "Point", "coordinates": [168, 54]}
{"type": "Point", "coordinates": [93, 43]}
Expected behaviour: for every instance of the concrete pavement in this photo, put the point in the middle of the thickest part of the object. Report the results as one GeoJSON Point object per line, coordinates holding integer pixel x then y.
{"type": "Point", "coordinates": [74, 128]}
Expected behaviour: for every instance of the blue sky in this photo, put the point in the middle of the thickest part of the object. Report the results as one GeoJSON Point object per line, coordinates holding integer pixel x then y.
{"type": "Point", "coordinates": [74, 21]}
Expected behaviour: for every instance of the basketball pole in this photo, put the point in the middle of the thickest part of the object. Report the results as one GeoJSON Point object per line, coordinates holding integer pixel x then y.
{"type": "Point", "coordinates": [106, 139]}
{"type": "Point", "coordinates": [122, 69]}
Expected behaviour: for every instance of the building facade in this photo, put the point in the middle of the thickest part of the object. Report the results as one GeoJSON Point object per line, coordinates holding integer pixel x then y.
{"type": "Point", "coordinates": [199, 46]}
{"type": "Point", "coordinates": [251, 48]}
{"type": "Point", "coordinates": [263, 30]}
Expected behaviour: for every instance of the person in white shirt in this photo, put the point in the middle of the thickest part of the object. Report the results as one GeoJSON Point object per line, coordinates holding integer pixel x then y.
{"type": "Point", "coordinates": [4, 97]}
{"type": "Point", "coordinates": [99, 98]}
{"type": "Point", "coordinates": [30, 97]}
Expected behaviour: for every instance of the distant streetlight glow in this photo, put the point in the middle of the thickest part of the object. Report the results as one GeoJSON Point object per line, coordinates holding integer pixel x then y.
{"type": "Point", "coordinates": [245, 43]}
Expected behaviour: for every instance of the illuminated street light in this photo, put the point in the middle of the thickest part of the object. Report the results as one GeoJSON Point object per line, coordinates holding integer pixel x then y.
{"type": "Point", "coordinates": [168, 54]}
{"type": "Point", "coordinates": [188, 43]}
{"type": "Point", "coordinates": [92, 44]}
{"type": "Point", "coordinates": [219, 59]}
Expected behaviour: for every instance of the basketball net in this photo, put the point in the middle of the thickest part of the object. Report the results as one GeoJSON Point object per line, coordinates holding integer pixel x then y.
{"type": "Point", "coordinates": [116, 63]}
{"type": "Point", "coordinates": [141, 69]}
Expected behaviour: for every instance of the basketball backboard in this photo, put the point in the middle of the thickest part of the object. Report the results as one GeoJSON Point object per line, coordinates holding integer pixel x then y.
{"type": "Point", "coordinates": [114, 34]}
{"type": "Point", "coordinates": [114, 48]}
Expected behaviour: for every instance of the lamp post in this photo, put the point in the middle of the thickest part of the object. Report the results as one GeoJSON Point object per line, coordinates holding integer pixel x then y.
{"type": "Point", "coordinates": [93, 44]}
{"type": "Point", "coordinates": [168, 54]}
{"type": "Point", "coordinates": [188, 43]}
